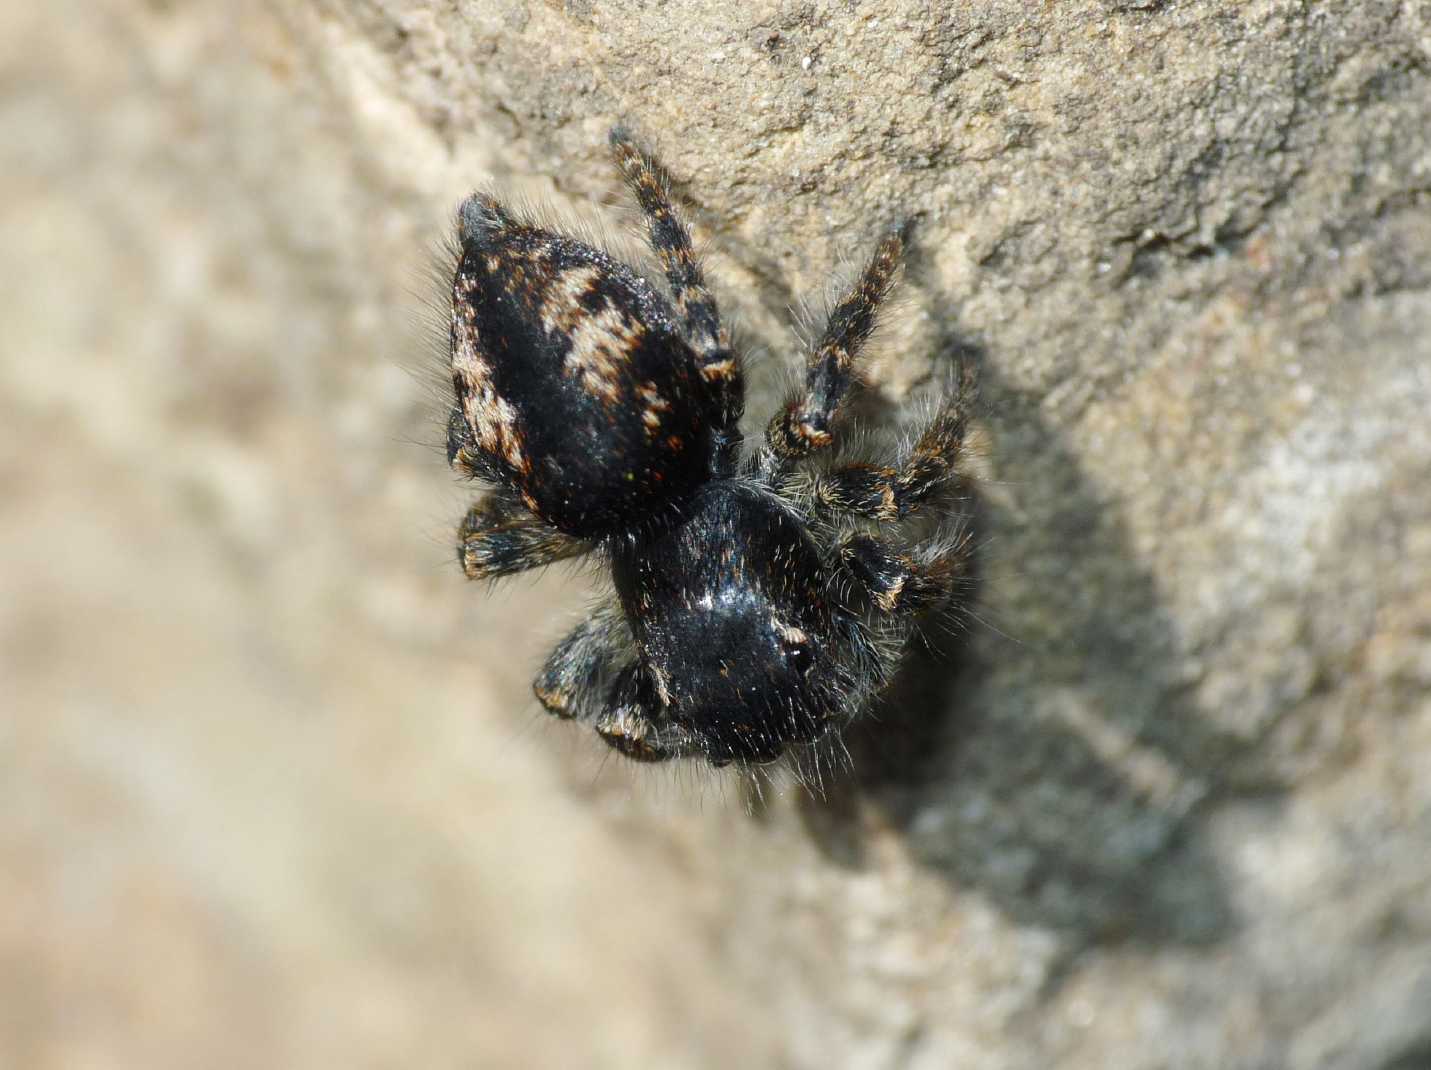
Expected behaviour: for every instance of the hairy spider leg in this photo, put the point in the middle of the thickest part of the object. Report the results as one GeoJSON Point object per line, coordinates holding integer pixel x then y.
{"type": "Point", "coordinates": [903, 584]}
{"type": "Point", "coordinates": [670, 240]}
{"type": "Point", "coordinates": [500, 536]}
{"type": "Point", "coordinates": [578, 675]}
{"type": "Point", "coordinates": [892, 493]}
{"type": "Point", "coordinates": [803, 426]}
{"type": "Point", "coordinates": [625, 726]}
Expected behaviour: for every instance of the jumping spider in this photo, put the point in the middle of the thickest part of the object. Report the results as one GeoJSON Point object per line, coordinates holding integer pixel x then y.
{"type": "Point", "coordinates": [757, 602]}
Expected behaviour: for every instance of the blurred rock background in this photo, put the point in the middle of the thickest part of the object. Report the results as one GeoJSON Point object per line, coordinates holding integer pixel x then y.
{"type": "Point", "coordinates": [272, 788]}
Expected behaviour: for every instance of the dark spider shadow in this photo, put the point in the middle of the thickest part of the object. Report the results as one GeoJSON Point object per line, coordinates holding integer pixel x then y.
{"type": "Point", "coordinates": [1061, 769]}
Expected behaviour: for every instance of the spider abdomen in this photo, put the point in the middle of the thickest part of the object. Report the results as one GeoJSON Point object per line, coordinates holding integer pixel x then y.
{"type": "Point", "coordinates": [576, 386]}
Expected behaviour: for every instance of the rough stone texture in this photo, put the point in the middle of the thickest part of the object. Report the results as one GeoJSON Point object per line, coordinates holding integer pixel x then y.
{"type": "Point", "coordinates": [272, 790]}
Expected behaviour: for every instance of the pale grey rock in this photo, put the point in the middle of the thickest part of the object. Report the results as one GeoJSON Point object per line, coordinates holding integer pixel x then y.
{"type": "Point", "coordinates": [273, 790]}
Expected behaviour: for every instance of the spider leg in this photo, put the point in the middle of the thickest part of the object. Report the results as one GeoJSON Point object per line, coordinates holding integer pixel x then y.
{"type": "Point", "coordinates": [884, 493]}
{"type": "Point", "coordinates": [626, 727]}
{"type": "Point", "coordinates": [578, 674]}
{"type": "Point", "coordinates": [671, 241]}
{"type": "Point", "coordinates": [904, 584]}
{"type": "Point", "coordinates": [499, 536]}
{"type": "Point", "coordinates": [803, 425]}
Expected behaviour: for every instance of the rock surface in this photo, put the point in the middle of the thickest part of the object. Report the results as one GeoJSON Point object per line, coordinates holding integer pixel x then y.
{"type": "Point", "coordinates": [274, 792]}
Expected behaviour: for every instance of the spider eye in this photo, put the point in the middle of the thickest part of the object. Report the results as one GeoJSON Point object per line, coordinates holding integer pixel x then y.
{"type": "Point", "coordinates": [799, 657]}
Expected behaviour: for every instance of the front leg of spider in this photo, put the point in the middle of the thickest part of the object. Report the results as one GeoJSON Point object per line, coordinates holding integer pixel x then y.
{"type": "Point", "coordinates": [605, 411]}
{"type": "Point", "coordinates": [628, 728]}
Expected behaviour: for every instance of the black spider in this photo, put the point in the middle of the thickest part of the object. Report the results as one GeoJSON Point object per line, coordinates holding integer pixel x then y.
{"type": "Point", "coordinates": [756, 604]}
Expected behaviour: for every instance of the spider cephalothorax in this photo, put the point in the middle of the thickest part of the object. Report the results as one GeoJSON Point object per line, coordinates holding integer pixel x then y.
{"type": "Point", "coordinates": [758, 602]}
